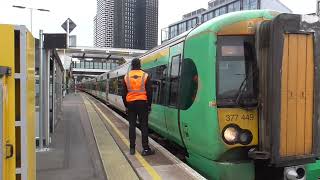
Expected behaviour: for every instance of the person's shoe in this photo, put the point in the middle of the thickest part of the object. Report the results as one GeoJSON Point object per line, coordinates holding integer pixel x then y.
{"type": "Point", "coordinates": [147, 152]}
{"type": "Point", "coordinates": [132, 151]}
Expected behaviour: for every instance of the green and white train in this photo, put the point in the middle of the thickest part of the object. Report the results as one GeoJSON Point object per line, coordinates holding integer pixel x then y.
{"type": "Point", "coordinates": [240, 93]}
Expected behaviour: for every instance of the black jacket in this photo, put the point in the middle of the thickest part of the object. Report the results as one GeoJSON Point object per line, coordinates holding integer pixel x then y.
{"type": "Point", "coordinates": [148, 90]}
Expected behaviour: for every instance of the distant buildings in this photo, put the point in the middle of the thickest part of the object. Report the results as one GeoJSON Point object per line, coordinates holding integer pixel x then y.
{"type": "Point", "coordinates": [217, 8]}
{"type": "Point", "coordinates": [104, 24]}
{"type": "Point", "coordinates": [73, 41]}
{"type": "Point", "coordinates": [129, 24]}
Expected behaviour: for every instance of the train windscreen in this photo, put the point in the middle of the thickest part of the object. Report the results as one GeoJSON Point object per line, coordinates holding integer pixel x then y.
{"type": "Point", "coordinates": [236, 71]}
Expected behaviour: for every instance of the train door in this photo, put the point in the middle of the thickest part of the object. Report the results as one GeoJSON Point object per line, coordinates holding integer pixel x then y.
{"type": "Point", "coordinates": [159, 83]}
{"type": "Point", "coordinates": [173, 79]}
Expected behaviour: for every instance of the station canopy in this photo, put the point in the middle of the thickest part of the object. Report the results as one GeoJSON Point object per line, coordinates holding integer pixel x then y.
{"type": "Point", "coordinates": [95, 53]}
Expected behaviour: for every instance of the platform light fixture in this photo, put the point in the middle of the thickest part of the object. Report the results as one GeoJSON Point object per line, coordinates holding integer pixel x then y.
{"type": "Point", "coordinates": [45, 10]}
{"type": "Point", "coordinates": [31, 11]}
{"type": "Point", "coordinates": [20, 7]}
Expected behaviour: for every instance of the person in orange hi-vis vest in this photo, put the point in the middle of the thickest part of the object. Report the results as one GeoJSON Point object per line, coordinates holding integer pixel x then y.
{"type": "Point", "coordinates": [137, 98]}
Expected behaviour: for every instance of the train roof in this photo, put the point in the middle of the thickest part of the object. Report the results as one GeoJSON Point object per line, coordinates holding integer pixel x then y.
{"type": "Point", "coordinates": [213, 25]}
{"type": "Point", "coordinates": [216, 24]}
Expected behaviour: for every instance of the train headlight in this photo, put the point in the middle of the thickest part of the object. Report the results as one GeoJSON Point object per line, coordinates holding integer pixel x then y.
{"type": "Point", "coordinates": [245, 137]}
{"type": "Point", "coordinates": [230, 134]}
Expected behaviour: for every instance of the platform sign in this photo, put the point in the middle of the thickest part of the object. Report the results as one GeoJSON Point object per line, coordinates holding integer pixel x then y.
{"type": "Point", "coordinates": [52, 41]}
{"type": "Point", "coordinates": [72, 25]}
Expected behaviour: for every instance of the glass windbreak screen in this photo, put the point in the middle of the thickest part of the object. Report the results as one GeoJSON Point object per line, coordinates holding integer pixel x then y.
{"type": "Point", "coordinates": [236, 64]}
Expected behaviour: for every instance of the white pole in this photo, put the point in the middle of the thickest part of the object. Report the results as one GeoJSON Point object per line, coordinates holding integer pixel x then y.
{"type": "Point", "coordinates": [31, 19]}
{"type": "Point", "coordinates": [42, 107]}
{"type": "Point", "coordinates": [68, 32]}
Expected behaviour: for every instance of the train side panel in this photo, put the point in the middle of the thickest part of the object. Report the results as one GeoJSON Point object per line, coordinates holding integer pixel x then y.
{"type": "Point", "coordinates": [156, 64]}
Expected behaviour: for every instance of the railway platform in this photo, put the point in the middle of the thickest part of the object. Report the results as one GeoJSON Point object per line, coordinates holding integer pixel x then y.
{"type": "Point", "coordinates": [91, 142]}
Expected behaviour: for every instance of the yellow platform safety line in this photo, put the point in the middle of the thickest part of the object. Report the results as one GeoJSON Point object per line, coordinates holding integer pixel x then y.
{"type": "Point", "coordinates": [153, 173]}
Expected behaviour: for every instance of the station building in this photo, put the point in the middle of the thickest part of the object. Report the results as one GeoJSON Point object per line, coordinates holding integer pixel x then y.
{"type": "Point", "coordinates": [217, 8]}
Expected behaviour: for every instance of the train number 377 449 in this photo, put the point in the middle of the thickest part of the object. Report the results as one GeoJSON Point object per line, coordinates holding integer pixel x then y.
{"type": "Point", "coordinates": [236, 117]}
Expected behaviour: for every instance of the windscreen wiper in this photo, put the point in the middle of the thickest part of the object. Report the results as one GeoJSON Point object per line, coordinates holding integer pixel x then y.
{"type": "Point", "coordinates": [243, 86]}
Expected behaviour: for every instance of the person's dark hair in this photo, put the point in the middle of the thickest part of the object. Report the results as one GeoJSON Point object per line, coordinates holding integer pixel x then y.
{"type": "Point", "coordinates": [135, 64]}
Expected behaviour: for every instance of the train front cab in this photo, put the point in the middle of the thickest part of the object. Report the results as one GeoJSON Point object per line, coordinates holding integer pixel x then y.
{"type": "Point", "coordinates": [268, 126]}
{"type": "Point", "coordinates": [287, 49]}
{"type": "Point", "coordinates": [285, 117]}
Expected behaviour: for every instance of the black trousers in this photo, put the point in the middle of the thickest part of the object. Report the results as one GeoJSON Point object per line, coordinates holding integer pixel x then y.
{"type": "Point", "coordinates": [138, 109]}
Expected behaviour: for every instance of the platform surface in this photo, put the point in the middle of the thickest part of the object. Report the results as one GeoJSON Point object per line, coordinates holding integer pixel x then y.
{"type": "Point", "coordinates": [91, 143]}
{"type": "Point", "coordinates": [114, 162]}
{"type": "Point", "coordinates": [73, 154]}
{"type": "Point", "coordinates": [162, 165]}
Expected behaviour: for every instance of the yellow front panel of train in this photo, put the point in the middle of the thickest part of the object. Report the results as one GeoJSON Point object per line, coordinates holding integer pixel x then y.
{"type": "Point", "coordinates": [242, 120]}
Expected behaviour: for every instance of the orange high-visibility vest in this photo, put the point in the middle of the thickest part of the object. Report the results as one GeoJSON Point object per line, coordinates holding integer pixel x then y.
{"type": "Point", "coordinates": [136, 83]}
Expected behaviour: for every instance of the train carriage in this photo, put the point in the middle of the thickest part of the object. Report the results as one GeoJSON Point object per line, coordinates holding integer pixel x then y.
{"type": "Point", "coordinates": [240, 93]}
{"type": "Point", "coordinates": [115, 85]}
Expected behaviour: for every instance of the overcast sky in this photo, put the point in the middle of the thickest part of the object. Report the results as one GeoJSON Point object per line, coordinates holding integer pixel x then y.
{"type": "Point", "coordinates": [83, 11]}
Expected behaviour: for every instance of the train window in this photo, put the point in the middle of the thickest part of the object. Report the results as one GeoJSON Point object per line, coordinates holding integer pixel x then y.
{"type": "Point", "coordinates": [113, 86]}
{"type": "Point", "coordinates": [90, 85]}
{"type": "Point", "coordinates": [104, 85]}
{"type": "Point", "coordinates": [161, 74]}
{"type": "Point", "coordinates": [236, 69]}
{"type": "Point", "coordinates": [101, 86]}
{"type": "Point", "coordinates": [120, 85]}
{"type": "Point", "coordinates": [158, 79]}
{"type": "Point", "coordinates": [97, 86]}
{"type": "Point", "coordinates": [174, 80]}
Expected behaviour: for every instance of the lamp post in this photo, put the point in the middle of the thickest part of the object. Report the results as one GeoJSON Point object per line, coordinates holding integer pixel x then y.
{"type": "Point", "coordinates": [31, 11]}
